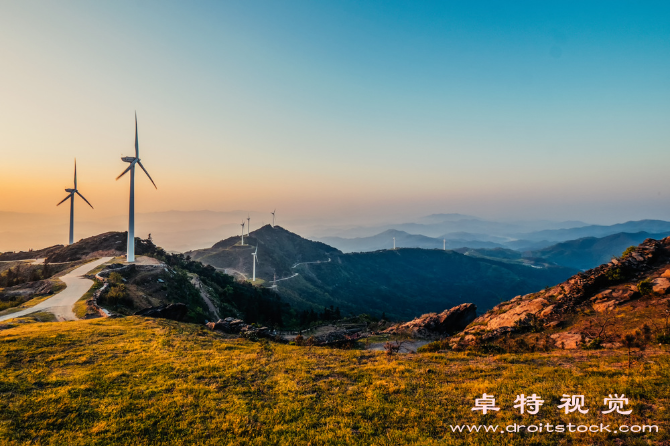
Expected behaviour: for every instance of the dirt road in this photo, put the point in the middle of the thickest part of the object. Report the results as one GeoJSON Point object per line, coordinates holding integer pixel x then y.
{"type": "Point", "coordinates": [61, 304]}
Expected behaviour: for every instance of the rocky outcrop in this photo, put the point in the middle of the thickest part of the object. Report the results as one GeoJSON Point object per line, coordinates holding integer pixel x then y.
{"type": "Point", "coordinates": [601, 289]}
{"type": "Point", "coordinates": [449, 321]}
{"type": "Point", "coordinates": [28, 289]}
{"type": "Point", "coordinates": [335, 338]}
{"type": "Point", "coordinates": [228, 325]}
{"type": "Point", "coordinates": [176, 312]}
{"type": "Point", "coordinates": [232, 325]}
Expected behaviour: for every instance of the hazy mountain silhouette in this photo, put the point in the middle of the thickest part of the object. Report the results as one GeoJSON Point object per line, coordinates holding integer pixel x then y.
{"type": "Point", "coordinates": [384, 240]}
{"type": "Point", "coordinates": [560, 235]}
{"type": "Point", "coordinates": [589, 252]}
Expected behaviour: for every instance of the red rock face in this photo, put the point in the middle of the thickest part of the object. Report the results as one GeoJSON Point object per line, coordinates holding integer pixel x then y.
{"type": "Point", "coordinates": [601, 289]}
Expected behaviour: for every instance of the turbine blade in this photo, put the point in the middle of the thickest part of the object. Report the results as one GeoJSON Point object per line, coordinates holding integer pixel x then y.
{"type": "Point", "coordinates": [68, 196]}
{"type": "Point", "coordinates": [137, 145]}
{"type": "Point", "coordinates": [75, 173]}
{"type": "Point", "coordinates": [124, 172]}
{"type": "Point", "coordinates": [145, 171]}
{"type": "Point", "coordinates": [82, 197]}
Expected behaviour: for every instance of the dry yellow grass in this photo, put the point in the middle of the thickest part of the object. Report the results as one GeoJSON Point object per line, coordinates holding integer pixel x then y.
{"type": "Point", "coordinates": [145, 381]}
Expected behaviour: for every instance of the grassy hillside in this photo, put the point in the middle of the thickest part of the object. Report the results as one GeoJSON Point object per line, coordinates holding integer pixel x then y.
{"type": "Point", "coordinates": [153, 382]}
{"type": "Point", "coordinates": [406, 283]}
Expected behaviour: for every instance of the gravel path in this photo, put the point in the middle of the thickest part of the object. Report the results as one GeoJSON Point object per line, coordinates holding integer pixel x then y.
{"type": "Point", "coordinates": [61, 304]}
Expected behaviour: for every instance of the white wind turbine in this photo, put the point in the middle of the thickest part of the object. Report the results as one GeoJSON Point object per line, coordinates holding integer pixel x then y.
{"type": "Point", "coordinates": [248, 224]}
{"type": "Point", "coordinates": [394, 243]}
{"type": "Point", "coordinates": [444, 244]}
{"type": "Point", "coordinates": [130, 255]}
{"type": "Point", "coordinates": [273, 217]}
{"type": "Point", "coordinates": [254, 254]}
{"type": "Point", "coordinates": [71, 193]}
{"type": "Point", "coordinates": [242, 242]}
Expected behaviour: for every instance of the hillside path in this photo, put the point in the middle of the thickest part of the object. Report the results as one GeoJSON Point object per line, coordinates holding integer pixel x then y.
{"type": "Point", "coordinates": [197, 283]}
{"type": "Point", "coordinates": [306, 263]}
{"type": "Point", "coordinates": [61, 304]}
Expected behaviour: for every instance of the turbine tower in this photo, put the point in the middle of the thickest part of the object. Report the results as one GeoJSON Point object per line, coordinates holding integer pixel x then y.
{"type": "Point", "coordinates": [242, 242]}
{"type": "Point", "coordinates": [130, 255]}
{"type": "Point", "coordinates": [253, 276]}
{"type": "Point", "coordinates": [71, 193]}
{"type": "Point", "coordinates": [248, 224]}
{"type": "Point", "coordinates": [444, 244]}
{"type": "Point", "coordinates": [394, 243]}
{"type": "Point", "coordinates": [273, 217]}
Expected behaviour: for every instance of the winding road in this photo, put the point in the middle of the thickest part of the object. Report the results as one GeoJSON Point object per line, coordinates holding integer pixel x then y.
{"type": "Point", "coordinates": [61, 304]}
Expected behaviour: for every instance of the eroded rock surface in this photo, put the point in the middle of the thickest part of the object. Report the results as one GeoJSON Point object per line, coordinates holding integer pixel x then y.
{"type": "Point", "coordinates": [601, 289]}
{"type": "Point", "coordinates": [449, 321]}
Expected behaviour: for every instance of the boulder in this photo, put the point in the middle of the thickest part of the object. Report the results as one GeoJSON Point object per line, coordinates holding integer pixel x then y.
{"type": "Point", "coordinates": [568, 341]}
{"type": "Point", "coordinates": [661, 285]}
{"type": "Point", "coordinates": [228, 325]}
{"type": "Point", "coordinates": [521, 312]}
{"type": "Point", "coordinates": [175, 312]}
{"type": "Point", "coordinates": [449, 321]}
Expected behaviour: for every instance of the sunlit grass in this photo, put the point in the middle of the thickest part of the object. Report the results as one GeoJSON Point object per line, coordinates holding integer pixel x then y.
{"type": "Point", "coordinates": [151, 381]}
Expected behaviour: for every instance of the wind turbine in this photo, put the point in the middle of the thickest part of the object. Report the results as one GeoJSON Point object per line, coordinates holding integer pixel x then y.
{"type": "Point", "coordinates": [130, 255]}
{"type": "Point", "coordinates": [248, 224]}
{"type": "Point", "coordinates": [273, 217]}
{"type": "Point", "coordinates": [394, 243]}
{"type": "Point", "coordinates": [253, 277]}
{"type": "Point", "coordinates": [71, 193]}
{"type": "Point", "coordinates": [242, 242]}
{"type": "Point", "coordinates": [444, 244]}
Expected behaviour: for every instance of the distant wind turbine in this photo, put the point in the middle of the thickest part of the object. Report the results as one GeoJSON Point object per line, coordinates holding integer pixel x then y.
{"type": "Point", "coordinates": [248, 224]}
{"type": "Point", "coordinates": [273, 217]}
{"type": "Point", "coordinates": [254, 254]}
{"type": "Point", "coordinates": [444, 244]}
{"type": "Point", "coordinates": [394, 243]}
{"type": "Point", "coordinates": [130, 255]}
{"type": "Point", "coordinates": [71, 193]}
{"type": "Point", "coordinates": [242, 242]}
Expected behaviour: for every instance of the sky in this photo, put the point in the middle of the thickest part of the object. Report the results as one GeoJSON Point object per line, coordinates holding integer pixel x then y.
{"type": "Point", "coordinates": [346, 110]}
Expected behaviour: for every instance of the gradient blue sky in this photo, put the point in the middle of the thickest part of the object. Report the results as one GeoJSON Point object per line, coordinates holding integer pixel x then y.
{"type": "Point", "coordinates": [500, 109]}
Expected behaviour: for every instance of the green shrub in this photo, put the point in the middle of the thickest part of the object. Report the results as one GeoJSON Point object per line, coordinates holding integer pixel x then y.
{"type": "Point", "coordinates": [628, 251]}
{"type": "Point", "coordinates": [594, 344]}
{"type": "Point", "coordinates": [645, 287]}
{"type": "Point", "coordinates": [615, 275]}
{"type": "Point", "coordinates": [115, 278]}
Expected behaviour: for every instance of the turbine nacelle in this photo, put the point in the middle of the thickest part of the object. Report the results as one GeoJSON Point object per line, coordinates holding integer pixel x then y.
{"type": "Point", "coordinates": [70, 190]}
{"type": "Point", "coordinates": [129, 159]}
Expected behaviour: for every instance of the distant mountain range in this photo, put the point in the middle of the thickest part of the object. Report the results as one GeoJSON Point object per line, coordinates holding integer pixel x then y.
{"type": "Point", "coordinates": [560, 235]}
{"type": "Point", "coordinates": [584, 253]}
{"type": "Point", "coordinates": [531, 241]}
{"type": "Point", "coordinates": [589, 252]}
{"type": "Point", "coordinates": [403, 283]}
{"type": "Point", "coordinates": [384, 240]}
